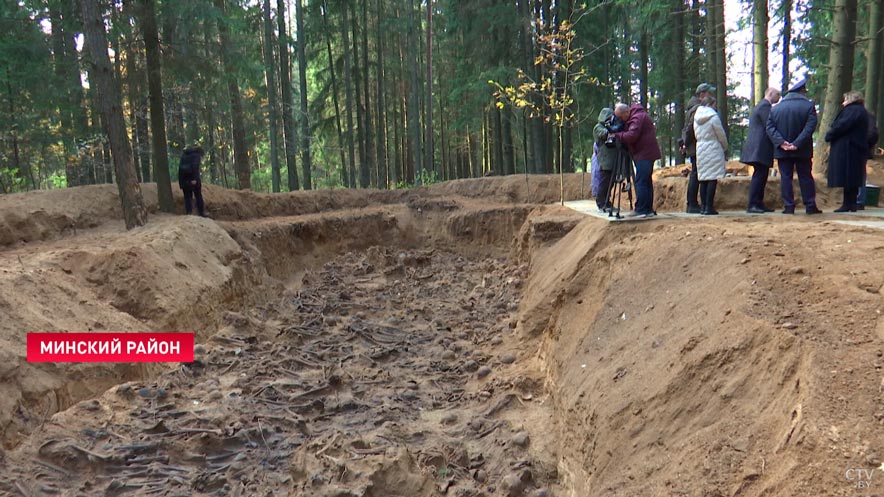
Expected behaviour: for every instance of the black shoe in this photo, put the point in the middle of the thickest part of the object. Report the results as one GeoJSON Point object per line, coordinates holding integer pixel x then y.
{"type": "Point", "coordinates": [756, 210]}
{"type": "Point", "coordinates": [710, 212]}
{"type": "Point", "coordinates": [766, 208]}
{"type": "Point", "coordinates": [694, 209]}
{"type": "Point", "coordinates": [813, 210]}
{"type": "Point", "coordinates": [789, 210]}
{"type": "Point", "coordinates": [860, 207]}
{"type": "Point", "coordinates": [844, 208]}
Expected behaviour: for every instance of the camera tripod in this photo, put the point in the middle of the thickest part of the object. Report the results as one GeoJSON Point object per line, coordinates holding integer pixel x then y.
{"type": "Point", "coordinates": [621, 176]}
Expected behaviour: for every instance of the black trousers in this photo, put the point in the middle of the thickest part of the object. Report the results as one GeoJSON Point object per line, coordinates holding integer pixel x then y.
{"type": "Point", "coordinates": [693, 184]}
{"type": "Point", "coordinates": [758, 184]}
{"type": "Point", "coordinates": [602, 200]}
{"type": "Point", "coordinates": [850, 195]}
{"type": "Point", "coordinates": [191, 191]}
{"type": "Point", "coordinates": [707, 195]}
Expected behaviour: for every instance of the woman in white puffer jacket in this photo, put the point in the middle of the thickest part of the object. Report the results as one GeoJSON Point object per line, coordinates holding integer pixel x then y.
{"type": "Point", "coordinates": [711, 145]}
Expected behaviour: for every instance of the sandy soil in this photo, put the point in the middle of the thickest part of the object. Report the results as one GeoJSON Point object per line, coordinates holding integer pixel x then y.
{"type": "Point", "coordinates": [455, 340]}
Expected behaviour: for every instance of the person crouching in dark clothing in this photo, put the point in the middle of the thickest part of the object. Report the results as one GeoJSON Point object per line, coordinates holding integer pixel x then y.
{"type": "Point", "coordinates": [190, 181]}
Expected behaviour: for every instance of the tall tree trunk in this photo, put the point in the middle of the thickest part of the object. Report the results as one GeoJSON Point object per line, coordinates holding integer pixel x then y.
{"type": "Point", "coordinates": [108, 90]}
{"type": "Point", "coordinates": [396, 104]}
{"type": "Point", "coordinates": [206, 111]}
{"type": "Point", "coordinates": [697, 41]}
{"type": "Point", "coordinates": [711, 42]}
{"type": "Point", "coordinates": [382, 158]}
{"type": "Point", "coordinates": [527, 46]}
{"type": "Point", "coordinates": [431, 146]}
{"type": "Point", "coordinates": [626, 73]}
{"type": "Point", "coordinates": [141, 130]}
{"type": "Point", "coordinates": [210, 137]}
{"type": "Point", "coordinates": [509, 159]}
{"type": "Point", "coordinates": [61, 66]}
{"type": "Point", "coordinates": [759, 53]}
{"type": "Point", "coordinates": [272, 97]}
{"type": "Point", "coordinates": [414, 95]}
{"type": "Point", "coordinates": [348, 87]}
{"type": "Point", "coordinates": [644, 56]}
{"type": "Point", "coordinates": [95, 170]}
{"type": "Point", "coordinates": [137, 109]}
{"type": "Point", "coordinates": [787, 41]}
{"type": "Point", "coordinates": [840, 74]}
{"type": "Point", "coordinates": [191, 115]}
{"type": "Point", "coordinates": [678, 49]}
{"type": "Point", "coordinates": [306, 162]}
{"type": "Point", "coordinates": [288, 106]}
{"type": "Point", "coordinates": [360, 111]}
{"type": "Point", "coordinates": [334, 91]}
{"type": "Point", "coordinates": [240, 147]}
{"type": "Point", "coordinates": [497, 166]}
{"type": "Point", "coordinates": [721, 65]}
{"type": "Point", "coordinates": [878, 108]}
{"type": "Point", "coordinates": [159, 147]}
{"type": "Point", "coordinates": [874, 52]}
{"type": "Point", "coordinates": [369, 157]}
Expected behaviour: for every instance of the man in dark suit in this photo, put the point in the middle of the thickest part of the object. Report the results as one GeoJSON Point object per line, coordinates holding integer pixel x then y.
{"type": "Point", "coordinates": [790, 128]}
{"type": "Point", "coordinates": [758, 151]}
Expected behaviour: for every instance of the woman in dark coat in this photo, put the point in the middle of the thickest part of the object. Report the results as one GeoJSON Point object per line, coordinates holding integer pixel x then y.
{"type": "Point", "coordinates": [849, 151]}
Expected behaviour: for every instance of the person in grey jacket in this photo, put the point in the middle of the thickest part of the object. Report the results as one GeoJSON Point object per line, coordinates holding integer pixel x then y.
{"type": "Point", "coordinates": [790, 128]}
{"type": "Point", "coordinates": [758, 151]}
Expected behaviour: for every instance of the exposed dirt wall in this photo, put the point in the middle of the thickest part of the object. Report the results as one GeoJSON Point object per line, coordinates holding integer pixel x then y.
{"type": "Point", "coordinates": [698, 359]}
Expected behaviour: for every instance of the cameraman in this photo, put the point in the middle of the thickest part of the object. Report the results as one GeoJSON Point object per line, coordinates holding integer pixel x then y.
{"type": "Point", "coordinates": [640, 136]}
{"type": "Point", "coordinates": [608, 155]}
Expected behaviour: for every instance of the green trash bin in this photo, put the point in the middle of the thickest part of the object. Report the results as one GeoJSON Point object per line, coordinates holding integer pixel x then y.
{"type": "Point", "coordinates": [872, 194]}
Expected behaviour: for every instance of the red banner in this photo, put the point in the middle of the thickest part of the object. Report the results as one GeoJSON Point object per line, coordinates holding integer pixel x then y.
{"type": "Point", "coordinates": [110, 347]}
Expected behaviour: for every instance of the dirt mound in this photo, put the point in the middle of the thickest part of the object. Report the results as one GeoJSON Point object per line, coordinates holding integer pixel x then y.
{"type": "Point", "coordinates": [734, 168]}
{"type": "Point", "coordinates": [172, 275]}
{"type": "Point", "coordinates": [47, 215]}
{"type": "Point", "coordinates": [651, 334]}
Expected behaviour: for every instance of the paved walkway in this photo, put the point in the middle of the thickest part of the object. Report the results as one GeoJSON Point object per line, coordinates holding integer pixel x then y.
{"type": "Point", "coordinates": [872, 217]}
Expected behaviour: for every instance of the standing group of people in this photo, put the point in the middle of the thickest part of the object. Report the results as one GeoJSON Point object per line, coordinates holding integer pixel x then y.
{"type": "Point", "coordinates": [784, 132]}
{"type": "Point", "coordinates": [629, 131]}
{"type": "Point", "coordinates": [780, 129]}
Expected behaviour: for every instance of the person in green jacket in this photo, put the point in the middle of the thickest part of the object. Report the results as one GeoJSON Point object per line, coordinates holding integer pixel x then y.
{"type": "Point", "coordinates": [608, 154]}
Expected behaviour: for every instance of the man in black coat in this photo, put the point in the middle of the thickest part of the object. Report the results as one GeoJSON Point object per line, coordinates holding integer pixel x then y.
{"type": "Point", "coordinates": [790, 128]}
{"type": "Point", "coordinates": [873, 144]}
{"type": "Point", "coordinates": [190, 179]}
{"type": "Point", "coordinates": [688, 144]}
{"type": "Point", "coordinates": [849, 135]}
{"type": "Point", "coordinates": [758, 151]}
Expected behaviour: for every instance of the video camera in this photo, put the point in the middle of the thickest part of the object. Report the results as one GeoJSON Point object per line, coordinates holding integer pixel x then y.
{"type": "Point", "coordinates": [613, 125]}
